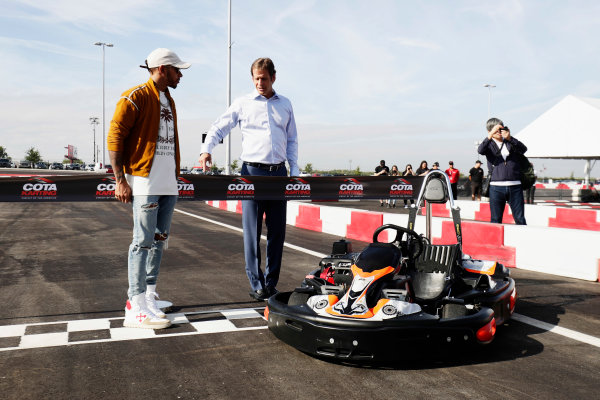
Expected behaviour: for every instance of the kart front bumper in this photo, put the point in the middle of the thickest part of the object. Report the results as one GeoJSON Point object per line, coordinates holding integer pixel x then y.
{"type": "Point", "coordinates": [361, 340]}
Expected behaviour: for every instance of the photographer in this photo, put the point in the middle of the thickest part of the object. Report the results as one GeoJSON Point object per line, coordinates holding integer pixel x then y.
{"type": "Point", "coordinates": [382, 170]}
{"type": "Point", "coordinates": [408, 171]}
{"type": "Point", "coordinates": [501, 151]}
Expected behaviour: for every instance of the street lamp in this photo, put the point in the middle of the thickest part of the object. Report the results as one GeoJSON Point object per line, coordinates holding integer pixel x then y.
{"type": "Point", "coordinates": [489, 86]}
{"type": "Point", "coordinates": [477, 143]}
{"type": "Point", "coordinates": [229, 44]}
{"type": "Point", "coordinates": [94, 122]}
{"type": "Point", "coordinates": [103, 101]}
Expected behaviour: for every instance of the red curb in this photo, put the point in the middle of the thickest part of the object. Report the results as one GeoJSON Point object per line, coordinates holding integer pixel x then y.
{"type": "Point", "coordinates": [483, 241]}
{"type": "Point", "coordinates": [309, 217]}
{"type": "Point", "coordinates": [575, 219]}
{"type": "Point", "coordinates": [484, 214]}
{"type": "Point", "coordinates": [363, 224]}
{"type": "Point", "coordinates": [438, 210]}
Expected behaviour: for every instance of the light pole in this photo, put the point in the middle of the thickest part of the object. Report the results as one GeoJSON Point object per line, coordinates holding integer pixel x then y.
{"type": "Point", "coordinates": [94, 122]}
{"type": "Point", "coordinates": [489, 86]}
{"type": "Point", "coordinates": [103, 101]}
{"type": "Point", "coordinates": [477, 143]}
{"type": "Point", "coordinates": [229, 44]}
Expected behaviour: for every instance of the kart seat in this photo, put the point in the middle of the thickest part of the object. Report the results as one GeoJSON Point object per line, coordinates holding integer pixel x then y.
{"type": "Point", "coordinates": [379, 255]}
{"type": "Point", "coordinates": [430, 278]}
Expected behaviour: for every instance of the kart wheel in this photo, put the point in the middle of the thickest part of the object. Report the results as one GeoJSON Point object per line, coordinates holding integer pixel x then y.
{"type": "Point", "coordinates": [297, 299]}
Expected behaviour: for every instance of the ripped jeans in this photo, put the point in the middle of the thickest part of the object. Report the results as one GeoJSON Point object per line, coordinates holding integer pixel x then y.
{"type": "Point", "coordinates": [151, 224]}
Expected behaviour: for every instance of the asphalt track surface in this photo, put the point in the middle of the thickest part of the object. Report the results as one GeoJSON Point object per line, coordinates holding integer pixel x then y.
{"type": "Point", "coordinates": [63, 266]}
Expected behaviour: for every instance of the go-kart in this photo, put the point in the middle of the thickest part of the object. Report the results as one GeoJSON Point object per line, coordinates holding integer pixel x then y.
{"type": "Point", "coordinates": [374, 304]}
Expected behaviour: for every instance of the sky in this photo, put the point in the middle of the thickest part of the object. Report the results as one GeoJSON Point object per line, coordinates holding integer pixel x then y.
{"type": "Point", "coordinates": [396, 80]}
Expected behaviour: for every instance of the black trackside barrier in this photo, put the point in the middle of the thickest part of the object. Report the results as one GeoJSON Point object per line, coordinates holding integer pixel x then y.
{"type": "Point", "coordinates": [101, 187]}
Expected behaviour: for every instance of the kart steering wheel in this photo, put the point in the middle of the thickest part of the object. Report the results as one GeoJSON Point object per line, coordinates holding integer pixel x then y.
{"type": "Point", "coordinates": [400, 231]}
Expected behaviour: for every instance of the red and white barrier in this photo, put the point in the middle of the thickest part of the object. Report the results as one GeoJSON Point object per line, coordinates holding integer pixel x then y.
{"type": "Point", "coordinates": [566, 246]}
{"type": "Point", "coordinates": [556, 217]}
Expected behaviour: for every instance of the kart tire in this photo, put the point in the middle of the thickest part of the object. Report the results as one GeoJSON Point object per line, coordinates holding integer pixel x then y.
{"type": "Point", "coordinates": [297, 298]}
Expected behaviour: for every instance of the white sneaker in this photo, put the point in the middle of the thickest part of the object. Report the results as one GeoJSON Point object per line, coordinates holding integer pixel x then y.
{"type": "Point", "coordinates": [137, 315]}
{"type": "Point", "coordinates": [151, 297]}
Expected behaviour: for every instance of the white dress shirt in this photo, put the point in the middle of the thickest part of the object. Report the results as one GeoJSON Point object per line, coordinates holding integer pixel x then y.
{"type": "Point", "coordinates": [269, 134]}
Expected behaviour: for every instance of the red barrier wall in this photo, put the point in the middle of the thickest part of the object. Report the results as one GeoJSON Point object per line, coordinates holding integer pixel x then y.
{"type": "Point", "coordinates": [309, 217]}
{"type": "Point", "coordinates": [484, 214]}
{"type": "Point", "coordinates": [575, 219]}
{"type": "Point", "coordinates": [483, 241]}
{"type": "Point", "coordinates": [363, 224]}
{"type": "Point", "coordinates": [438, 210]}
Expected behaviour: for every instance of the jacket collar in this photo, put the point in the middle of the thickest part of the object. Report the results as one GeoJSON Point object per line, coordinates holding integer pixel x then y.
{"type": "Point", "coordinates": [155, 90]}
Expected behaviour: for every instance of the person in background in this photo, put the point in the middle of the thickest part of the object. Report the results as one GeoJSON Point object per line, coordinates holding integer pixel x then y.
{"type": "Point", "coordinates": [143, 145]}
{"type": "Point", "coordinates": [502, 153]}
{"type": "Point", "coordinates": [408, 171]}
{"type": "Point", "coordinates": [436, 165]}
{"type": "Point", "coordinates": [423, 169]}
{"type": "Point", "coordinates": [453, 175]}
{"type": "Point", "coordinates": [393, 172]}
{"type": "Point", "coordinates": [476, 179]}
{"type": "Point", "coordinates": [382, 170]}
{"type": "Point", "coordinates": [269, 139]}
{"type": "Point", "coordinates": [530, 193]}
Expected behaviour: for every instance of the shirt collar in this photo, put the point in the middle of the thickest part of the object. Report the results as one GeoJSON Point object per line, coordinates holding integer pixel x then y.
{"type": "Point", "coordinates": [260, 96]}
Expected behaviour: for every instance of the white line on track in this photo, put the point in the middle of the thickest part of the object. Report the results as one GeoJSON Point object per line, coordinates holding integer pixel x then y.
{"type": "Point", "coordinates": [263, 237]}
{"type": "Point", "coordinates": [582, 337]}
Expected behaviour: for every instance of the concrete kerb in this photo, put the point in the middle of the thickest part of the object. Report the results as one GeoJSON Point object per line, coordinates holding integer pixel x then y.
{"type": "Point", "coordinates": [572, 253]}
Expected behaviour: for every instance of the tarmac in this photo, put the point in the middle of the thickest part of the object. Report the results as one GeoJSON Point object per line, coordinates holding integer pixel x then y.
{"type": "Point", "coordinates": [63, 282]}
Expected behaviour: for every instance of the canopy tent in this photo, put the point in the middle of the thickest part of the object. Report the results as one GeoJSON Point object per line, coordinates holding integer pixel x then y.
{"type": "Point", "coordinates": [569, 130]}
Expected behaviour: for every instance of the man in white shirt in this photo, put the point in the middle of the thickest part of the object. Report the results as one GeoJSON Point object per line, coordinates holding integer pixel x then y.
{"type": "Point", "coordinates": [269, 139]}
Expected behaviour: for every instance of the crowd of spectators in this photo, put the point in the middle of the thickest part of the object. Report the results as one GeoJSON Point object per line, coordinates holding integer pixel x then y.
{"type": "Point", "coordinates": [383, 170]}
{"type": "Point", "coordinates": [505, 160]}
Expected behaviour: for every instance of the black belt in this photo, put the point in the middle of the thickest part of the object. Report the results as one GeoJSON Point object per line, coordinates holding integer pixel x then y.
{"type": "Point", "coordinates": [266, 167]}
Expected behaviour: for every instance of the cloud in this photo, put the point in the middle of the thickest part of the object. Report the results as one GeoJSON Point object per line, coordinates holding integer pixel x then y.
{"type": "Point", "coordinates": [107, 16]}
{"type": "Point", "coordinates": [38, 46]}
{"type": "Point", "coordinates": [409, 42]}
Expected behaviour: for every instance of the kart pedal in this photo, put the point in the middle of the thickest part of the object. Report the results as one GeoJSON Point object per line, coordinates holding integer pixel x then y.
{"type": "Point", "coordinates": [395, 294]}
{"type": "Point", "coordinates": [331, 289]}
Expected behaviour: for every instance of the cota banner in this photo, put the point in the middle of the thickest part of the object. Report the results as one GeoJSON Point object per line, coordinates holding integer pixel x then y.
{"type": "Point", "coordinates": [101, 187]}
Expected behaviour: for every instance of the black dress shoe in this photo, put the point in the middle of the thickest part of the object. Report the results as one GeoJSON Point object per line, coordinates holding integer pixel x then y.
{"type": "Point", "coordinates": [271, 291]}
{"type": "Point", "coordinates": [259, 295]}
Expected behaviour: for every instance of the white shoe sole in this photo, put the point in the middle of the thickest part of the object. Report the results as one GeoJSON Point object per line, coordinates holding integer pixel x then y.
{"type": "Point", "coordinates": [158, 312]}
{"type": "Point", "coordinates": [147, 324]}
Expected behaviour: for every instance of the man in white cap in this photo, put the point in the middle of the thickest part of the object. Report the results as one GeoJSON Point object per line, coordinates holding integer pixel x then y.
{"type": "Point", "coordinates": [143, 145]}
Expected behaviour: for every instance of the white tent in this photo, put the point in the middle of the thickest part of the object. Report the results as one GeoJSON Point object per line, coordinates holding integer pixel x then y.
{"type": "Point", "coordinates": [569, 130]}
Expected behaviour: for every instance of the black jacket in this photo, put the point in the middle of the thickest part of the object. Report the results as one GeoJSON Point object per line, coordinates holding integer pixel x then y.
{"type": "Point", "coordinates": [504, 170]}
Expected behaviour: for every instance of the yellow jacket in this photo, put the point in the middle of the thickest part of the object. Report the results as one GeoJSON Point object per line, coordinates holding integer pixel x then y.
{"type": "Point", "coordinates": [134, 128]}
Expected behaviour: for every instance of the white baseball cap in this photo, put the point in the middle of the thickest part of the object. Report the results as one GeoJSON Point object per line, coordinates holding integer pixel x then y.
{"type": "Point", "coordinates": [163, 56]}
